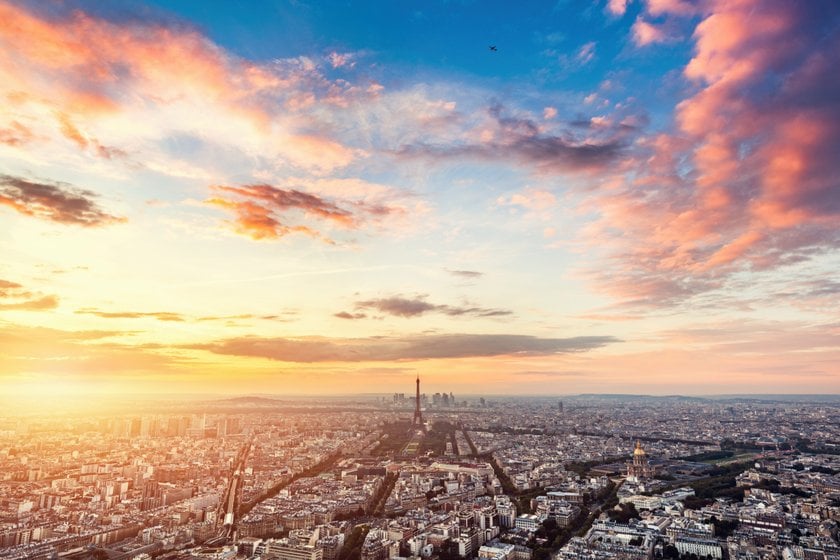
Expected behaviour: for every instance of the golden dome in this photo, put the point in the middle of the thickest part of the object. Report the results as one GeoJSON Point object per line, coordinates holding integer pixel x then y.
{"type": "Point", "coordinates": [638, 451]}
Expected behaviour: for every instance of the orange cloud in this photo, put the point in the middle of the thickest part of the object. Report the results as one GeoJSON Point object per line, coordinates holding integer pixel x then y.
{"type": "Point", "coordinates": [72, 133]}
{"type": "Point", "coordinates": [258, 208]}
{"type": "Point", "coordinates": [16, 134]}
{"type": "Point", "coordinates": [69, 130]}
{"type": "Point", "coordinates": [56, 202]}
{"type": "Point", "coordinates": [159, 315]}
{"type": "Point", "coordinates": [96, 76]}
{"type": "Point", "coordinates": [14, 297]}
{"type": "Point", "coordinates": [62, 356]}
{"type": "Point", "coordinates": [252, 220]}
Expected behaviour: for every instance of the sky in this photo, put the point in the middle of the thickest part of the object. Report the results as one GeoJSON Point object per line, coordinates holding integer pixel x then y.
{"type": "Point", "coordinates": [294, 197]}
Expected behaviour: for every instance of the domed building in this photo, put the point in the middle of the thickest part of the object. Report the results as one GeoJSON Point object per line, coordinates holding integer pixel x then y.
{"type": "Point", "coordinates": [640, 468]}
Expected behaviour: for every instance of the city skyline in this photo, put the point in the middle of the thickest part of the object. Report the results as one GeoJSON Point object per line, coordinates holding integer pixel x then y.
{"type": "Point", "coordinates": [357, 479]}
{"type": "Point", "coordinates": [629, 196]}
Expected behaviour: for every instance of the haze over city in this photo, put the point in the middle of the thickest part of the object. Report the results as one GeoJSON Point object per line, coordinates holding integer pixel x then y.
{"type": "Point", "coordinates": [295, 198]}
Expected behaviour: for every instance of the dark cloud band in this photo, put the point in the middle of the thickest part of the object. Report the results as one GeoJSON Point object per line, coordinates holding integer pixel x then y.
{"type": "Point", "coordinates": [419, 347]}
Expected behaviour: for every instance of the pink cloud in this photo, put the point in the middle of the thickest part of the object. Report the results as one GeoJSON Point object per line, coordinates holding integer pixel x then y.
{"type": "Point", "coordinates": [15, 134]}
{"type": "Point", "coordinates": [675, 7]}
{"type": "Point", "coordinates": [586, 53]}
{"type": "Point", "coordinates": [617, 7]}
{"type": "Point", "coordinates": [748, 179]}
{"type": "Point", "coordinates": [646, 33]}
{"type": "Point", "coordinates": [108, 84]}
{"type": "Point", "coordinates": [338, 60]}
{"type": "Point", "coordinates": [530, 199]}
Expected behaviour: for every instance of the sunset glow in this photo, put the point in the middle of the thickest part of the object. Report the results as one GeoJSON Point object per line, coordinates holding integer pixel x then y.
{"type": "Point", "coordinates": [624, 197]}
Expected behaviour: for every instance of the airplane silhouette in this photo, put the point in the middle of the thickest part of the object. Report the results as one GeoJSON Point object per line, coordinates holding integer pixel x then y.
{"type": "Point", "coordinates": [493, 48]}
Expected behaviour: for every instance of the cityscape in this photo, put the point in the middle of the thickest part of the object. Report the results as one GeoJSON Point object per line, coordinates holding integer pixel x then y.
{"type": "Point", "coordinates": [420, 280]}
{"type": "Point", "coordinates": [376, 478]}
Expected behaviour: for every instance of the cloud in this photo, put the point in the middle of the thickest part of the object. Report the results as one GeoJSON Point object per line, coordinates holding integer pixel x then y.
{"type": "Point", "coordinates": [530, 199]}
{"type": "Point", "coordinates": [757, 338]}
{"type": "Point", "coordinates": [399, 307]}
{"type": "Point", "coordinates": [823, 287]}
{"type": "Point", "coordinates": [34, 351]}
{"type": "Point", "coordinates": [141, 90]}
{"type": "Point", "coordinates": [89, 86]}
{"type": "Point", "coordinates": [674, 7]}
{"type": "Point", "coordinates": [339, 60]}
{"type": "Point", "coordinates": [14, 297]}
{"type": "Point", "coordinates": [522, 140]}
{"type": "Point", "coordinates": [15, 134]}
{"type": "Point", "coordinates": [167, 316]}
{"type": "Point", "coordinates": [258, 209]}
{"type": "Point", "coordinates": [43, 303]}
{"type": "Point", "coordinates": [646, 33]}
{"type": "Point", "coordinates": [7, 287]}
{"type": "Point", "coordinates": [608, 317]}
{"type": "Point", "coordinates": [747, 178]}
{"type": "Point", "coordinates": [347, 315]}
{"type": "Point", "coordinates": [586, 53]}
{"type": "Point", "coordinates": [552, 373]}
{"type": "Point", "coordinates": [55, 202]}
{"type": "Point", "coordinates": [617, 7]}
{"type": "Point", "coordinates": [414, 307]}
{"type": "Point", "coordinates": [173, 317]}
{"type": "Point", "coordinates": [373, 349]}
{"type": "Point", "coordinates": [465, 273]}
{"type": "Point", "coordinates": [284, 317]}
{"type": "Point", "coordinates": [84, 142]}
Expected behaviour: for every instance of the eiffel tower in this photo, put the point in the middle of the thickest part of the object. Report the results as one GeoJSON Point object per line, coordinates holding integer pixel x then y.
{"type": "Point", "coordinates": [417, 421]}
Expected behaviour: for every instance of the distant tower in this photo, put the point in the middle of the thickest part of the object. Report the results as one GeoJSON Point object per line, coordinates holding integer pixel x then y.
{"type": "Point", "coordinates": [417, 421]}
